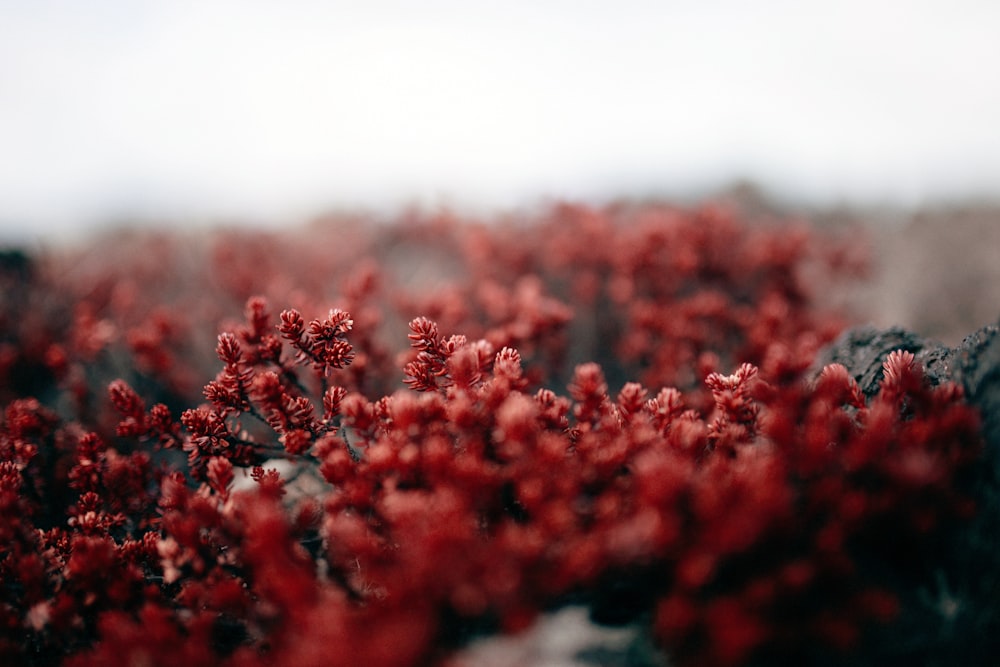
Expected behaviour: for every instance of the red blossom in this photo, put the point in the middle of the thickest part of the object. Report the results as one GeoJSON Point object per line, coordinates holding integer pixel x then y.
{"type": "Point", "coordinates": [324, 343]}
{"type": "Point", "coordinates": [757, 517]}
{"type": "Point", "coordinates": [220, 474]}
{"type": "Point", "coordinates": [131, 407]}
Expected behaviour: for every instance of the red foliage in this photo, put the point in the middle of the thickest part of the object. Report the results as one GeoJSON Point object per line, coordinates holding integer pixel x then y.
{"type": "Point", "coordinates": [748, 516]}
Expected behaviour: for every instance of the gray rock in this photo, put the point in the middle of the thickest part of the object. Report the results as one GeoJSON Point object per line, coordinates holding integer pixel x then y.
{"type": "Point", "coordinates": [974, 364]}
{"type": "Point", "coordinates": [951, 604]}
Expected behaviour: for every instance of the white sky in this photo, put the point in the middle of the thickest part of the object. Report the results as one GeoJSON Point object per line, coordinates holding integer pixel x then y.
{"type": "Point", "coordinates": [195, 110]}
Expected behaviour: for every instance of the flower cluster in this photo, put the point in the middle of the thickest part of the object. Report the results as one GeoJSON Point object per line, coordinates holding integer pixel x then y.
{"type": "Point", "coordinates": [652, 293]}
{"type": "Point", "coordinates": [294, 515]}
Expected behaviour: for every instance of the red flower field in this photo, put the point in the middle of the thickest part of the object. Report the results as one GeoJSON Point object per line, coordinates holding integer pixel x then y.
{"type": "Point", "coordinates": [369, 443]}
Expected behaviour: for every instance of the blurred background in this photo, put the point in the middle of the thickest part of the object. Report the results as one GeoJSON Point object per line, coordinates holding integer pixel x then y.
{"type": "Point", "coordinates": [188, 113]}
{"type": "Point", "coordinates": [265, 110]}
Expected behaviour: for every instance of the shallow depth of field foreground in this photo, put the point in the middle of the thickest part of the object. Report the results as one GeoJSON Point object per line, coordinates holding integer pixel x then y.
{"type": "Point", "coordinates": [417, 442]}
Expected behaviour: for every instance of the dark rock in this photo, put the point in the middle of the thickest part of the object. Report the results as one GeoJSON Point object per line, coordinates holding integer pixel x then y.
{"type": "Point", "coordinates": [974, 364]}
{"type": "Point", "coordinates": [863, 350]}
{"type": "Point", "coordinates": [950, 610]}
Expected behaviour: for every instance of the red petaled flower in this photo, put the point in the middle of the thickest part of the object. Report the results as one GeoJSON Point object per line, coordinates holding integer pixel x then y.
{"type": "Point", "coordinates": [131, 407]}
{"type": "Point", "coordinates": [220, 474]}
{"type": "Point", "coordinates": [573, 436]}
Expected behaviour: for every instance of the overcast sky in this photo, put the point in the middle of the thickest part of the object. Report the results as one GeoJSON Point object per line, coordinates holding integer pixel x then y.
{"type": "Point", "coordinates": [271, 110]}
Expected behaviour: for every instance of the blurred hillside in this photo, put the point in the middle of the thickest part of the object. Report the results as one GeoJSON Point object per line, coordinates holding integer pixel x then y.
{"type": "Point", "coordinates": [935, 269]}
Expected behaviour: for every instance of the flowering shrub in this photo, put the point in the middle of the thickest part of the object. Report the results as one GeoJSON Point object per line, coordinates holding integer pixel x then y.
{"type": "Point", "coordinates": [332, 499]}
